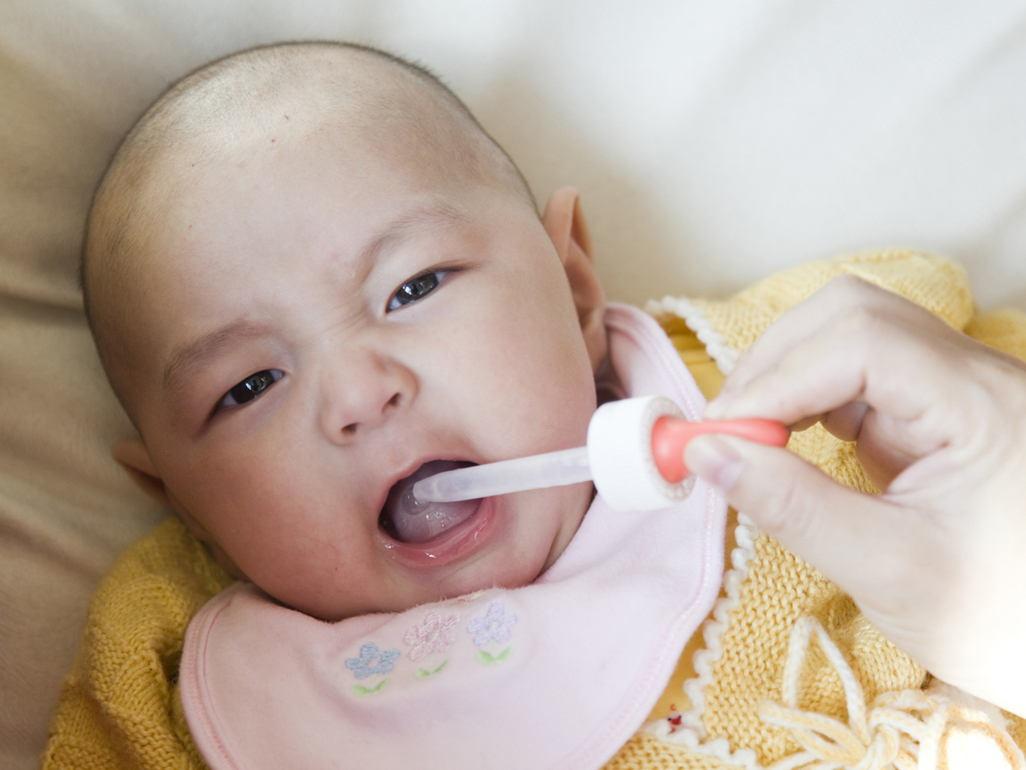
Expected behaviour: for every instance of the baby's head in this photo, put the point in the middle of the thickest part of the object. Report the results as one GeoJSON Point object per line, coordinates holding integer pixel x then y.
{"type": "Point", "coordinates": [309, 272]}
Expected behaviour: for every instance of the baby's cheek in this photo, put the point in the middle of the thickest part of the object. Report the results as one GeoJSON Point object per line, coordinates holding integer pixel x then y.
{"type": "Point", "coordinates": [552, 518]}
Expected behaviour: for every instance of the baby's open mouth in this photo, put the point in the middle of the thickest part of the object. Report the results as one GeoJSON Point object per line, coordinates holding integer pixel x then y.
{"type": "Point", "coordinates": [410, 521]}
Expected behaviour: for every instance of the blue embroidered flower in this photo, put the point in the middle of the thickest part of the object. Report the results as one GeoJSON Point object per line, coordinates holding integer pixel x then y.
{"type": "Point", "coordinates": [494, 626]}
{"type": "Point", "coordinates": [372, 661]}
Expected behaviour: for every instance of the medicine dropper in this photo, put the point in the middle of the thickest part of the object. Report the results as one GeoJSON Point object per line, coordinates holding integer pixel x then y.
{"type": "Point", "coordinates": [634, 454]}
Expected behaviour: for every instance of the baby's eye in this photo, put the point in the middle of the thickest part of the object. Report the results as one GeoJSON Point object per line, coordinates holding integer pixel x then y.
{"type": "Point", "coordinates": [250, 388]}
{"type": "Point", "coordinates": [416, 288]}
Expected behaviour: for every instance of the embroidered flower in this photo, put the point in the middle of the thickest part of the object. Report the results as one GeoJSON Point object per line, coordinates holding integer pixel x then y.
{"type": "Point", "coordinates": [372, 661]}
{"type": "Point", "coordinates": [675, 719]}
{"type": "Point", "coordinates": [493, 627]}
{"type": "Point", "coordinates": [435, 634]}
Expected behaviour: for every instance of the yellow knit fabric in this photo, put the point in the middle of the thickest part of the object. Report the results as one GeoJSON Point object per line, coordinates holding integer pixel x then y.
{"type": "Point", "coordinates": [119, 705]}
{"type": "Point", "coordinates": [692, 352]}
{"type": "Point", "coordinates": [781, 588]}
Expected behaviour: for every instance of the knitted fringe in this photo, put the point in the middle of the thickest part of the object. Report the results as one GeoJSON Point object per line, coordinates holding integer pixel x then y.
{"type": "Point", "coordinates": [906, 730]}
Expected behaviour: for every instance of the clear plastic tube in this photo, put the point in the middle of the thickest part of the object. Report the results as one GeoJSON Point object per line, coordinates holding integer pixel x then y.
{"type": "Point", "coordinates": [568, 466]}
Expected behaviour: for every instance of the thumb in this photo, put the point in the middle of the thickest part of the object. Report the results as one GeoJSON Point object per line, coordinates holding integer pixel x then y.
{"type": "Point", "coordinates": [829, 525]}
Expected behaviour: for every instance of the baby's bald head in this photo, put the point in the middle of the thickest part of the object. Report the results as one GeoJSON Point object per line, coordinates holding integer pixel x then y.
{"type": "Point", "coordinates": [361, 99]}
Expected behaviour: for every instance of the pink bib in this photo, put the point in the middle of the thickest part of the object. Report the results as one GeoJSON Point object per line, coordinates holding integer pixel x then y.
{"type": "Point", "coordinates": [557, 674]}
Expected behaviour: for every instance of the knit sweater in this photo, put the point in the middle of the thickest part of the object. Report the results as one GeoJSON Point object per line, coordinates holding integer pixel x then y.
{"type": "Point", "coordinates": [782, 648]}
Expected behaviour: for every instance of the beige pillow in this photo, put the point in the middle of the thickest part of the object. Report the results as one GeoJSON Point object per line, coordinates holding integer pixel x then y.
{"type": "Point", "coordinates": [66, 509]}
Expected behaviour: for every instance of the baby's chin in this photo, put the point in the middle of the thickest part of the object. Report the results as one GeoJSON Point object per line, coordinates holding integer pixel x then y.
{"type": "Point", "coordinates": [507, 542]}
{"type": "Point", "coordinates": [520, 544]}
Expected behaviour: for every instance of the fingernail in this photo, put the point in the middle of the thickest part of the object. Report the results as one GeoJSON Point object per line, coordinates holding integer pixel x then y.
{"type": "Point", "coordinates": [714, 460]}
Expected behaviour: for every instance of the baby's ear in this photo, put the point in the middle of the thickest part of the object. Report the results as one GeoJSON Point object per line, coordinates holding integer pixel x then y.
{"type": "Point", "coordinates": [132, 455]}
{"type": "Point", "coordinates": [564, 222]}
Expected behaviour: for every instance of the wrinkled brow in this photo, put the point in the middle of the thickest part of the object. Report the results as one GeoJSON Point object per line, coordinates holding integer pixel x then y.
{"type": "Point", "coordinates": [191, 356]}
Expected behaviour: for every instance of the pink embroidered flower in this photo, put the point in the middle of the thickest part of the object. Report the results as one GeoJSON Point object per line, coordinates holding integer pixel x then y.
{"type": "Point", "coordinates": [434, 634]}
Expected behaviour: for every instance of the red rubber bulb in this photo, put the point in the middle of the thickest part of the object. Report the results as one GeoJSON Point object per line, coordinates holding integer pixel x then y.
{"type": "Point", "coordinates": [670, 435]}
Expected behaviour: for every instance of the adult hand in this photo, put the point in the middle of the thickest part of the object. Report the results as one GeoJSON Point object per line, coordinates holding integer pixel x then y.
{"type": "Point", "coordinates": [938, 560]}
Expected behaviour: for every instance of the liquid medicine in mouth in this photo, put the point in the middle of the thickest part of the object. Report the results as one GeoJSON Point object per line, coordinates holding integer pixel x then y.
{"type": "Point", "coordinates": [410, 520]}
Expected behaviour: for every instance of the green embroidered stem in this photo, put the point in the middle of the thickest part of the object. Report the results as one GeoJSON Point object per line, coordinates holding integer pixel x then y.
{"type": "Point", "coordinates": [486, 658]}
{"type": "Point", "coordinates": [360, 690]}
{"type": "Point", "coordinates": [423, 673]}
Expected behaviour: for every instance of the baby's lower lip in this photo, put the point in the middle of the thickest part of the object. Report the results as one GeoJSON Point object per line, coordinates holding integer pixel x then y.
{"type": "Point", "coordinates": [451, 546]}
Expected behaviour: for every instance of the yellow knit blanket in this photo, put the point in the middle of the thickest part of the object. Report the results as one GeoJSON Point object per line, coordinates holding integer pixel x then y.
{"type": "Point", "coordinates": [119, 705]}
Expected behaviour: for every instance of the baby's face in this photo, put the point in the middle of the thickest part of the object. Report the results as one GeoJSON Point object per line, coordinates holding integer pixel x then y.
{"type": "Point", "coordinates": [315, 323]}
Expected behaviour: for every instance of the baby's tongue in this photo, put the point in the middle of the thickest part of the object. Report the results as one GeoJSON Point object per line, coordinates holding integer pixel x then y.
{"type": "Point", "coordinates": [410, 521]}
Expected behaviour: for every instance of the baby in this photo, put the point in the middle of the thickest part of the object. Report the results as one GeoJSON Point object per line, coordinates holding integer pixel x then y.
{"type": "Point", "coordinates": [312, 279]}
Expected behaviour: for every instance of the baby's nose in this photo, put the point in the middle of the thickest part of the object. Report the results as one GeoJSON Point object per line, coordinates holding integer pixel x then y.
{"type": "Point", "coordinates": [363, 392]}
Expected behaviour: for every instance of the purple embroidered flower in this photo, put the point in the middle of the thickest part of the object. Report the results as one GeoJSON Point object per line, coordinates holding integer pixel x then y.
{"type": "Point", "coordinates": [435, 634]}
{"type": "Point", "coordinates": [372, 661]}
{"type": "Point", "coordinates": [494, 626]}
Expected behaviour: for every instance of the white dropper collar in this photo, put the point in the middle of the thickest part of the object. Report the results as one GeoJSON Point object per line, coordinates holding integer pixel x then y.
{"type": "Point", "coordinates": [620, 455]}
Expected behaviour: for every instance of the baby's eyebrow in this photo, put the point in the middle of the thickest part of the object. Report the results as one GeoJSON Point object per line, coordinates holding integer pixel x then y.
{"type": "Point", "coordinates": [192, 355]}
{"type": "Point", "coordinates": [438, 214]}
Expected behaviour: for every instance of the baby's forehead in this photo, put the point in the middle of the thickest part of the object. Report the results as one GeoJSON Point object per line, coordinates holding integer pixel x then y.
{"type": "Point", "coordinates": [349, 97]}
{"type": "Point", "coordinates": [344, 97]}
{"type": "Point", "coordinates": [301, 202]}
{"type": "Point", "coordinates": [184, 163]}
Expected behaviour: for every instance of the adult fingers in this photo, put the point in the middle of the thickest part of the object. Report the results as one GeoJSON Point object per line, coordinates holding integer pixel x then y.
{"type": "Point", "coordinates": [829, 525]}
{"type": "Point", "coordinates": [834, 301]}
{"type": "Point", "coordinates": [859, 357]}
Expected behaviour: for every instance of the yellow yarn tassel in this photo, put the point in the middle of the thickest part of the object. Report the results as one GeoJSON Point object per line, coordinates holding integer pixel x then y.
{"type": "Point", "coordinates": [905, 730]}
